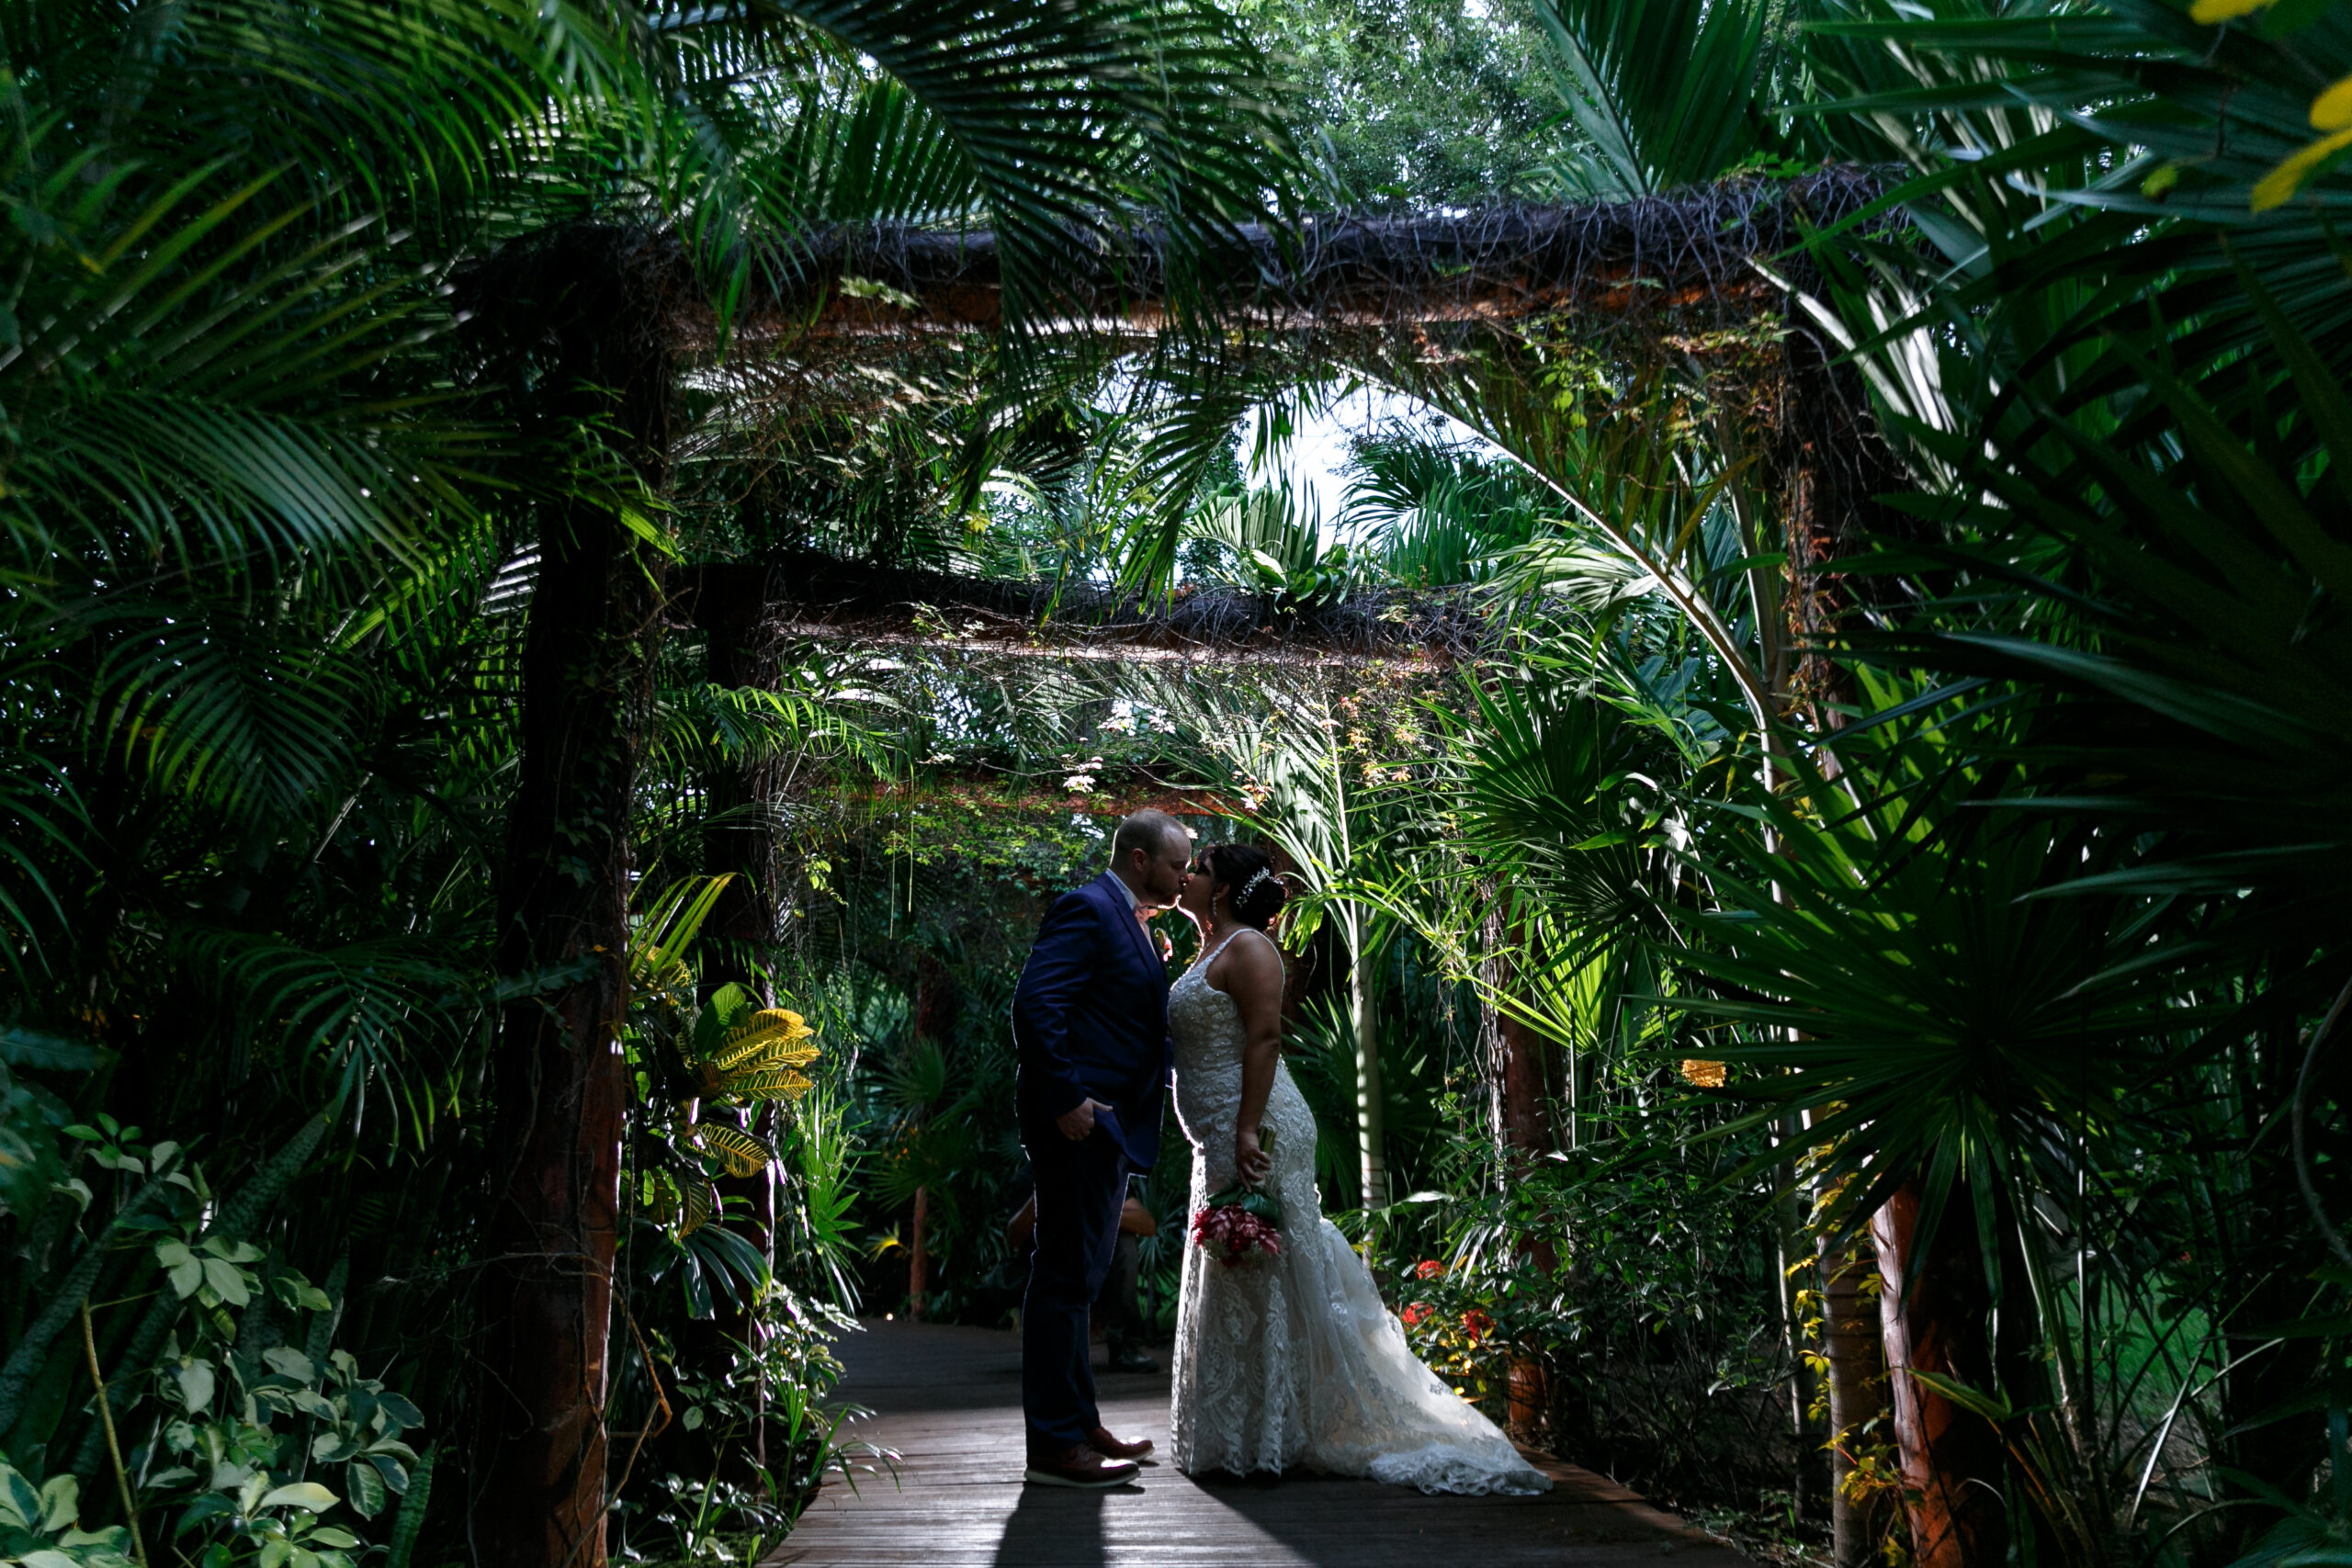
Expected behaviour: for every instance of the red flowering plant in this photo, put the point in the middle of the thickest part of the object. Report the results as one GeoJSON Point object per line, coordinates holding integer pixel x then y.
{"type": "Point", "coordinates": [1460, 1322]}
{"type": "Point", "coordinates": [1240, 1225]}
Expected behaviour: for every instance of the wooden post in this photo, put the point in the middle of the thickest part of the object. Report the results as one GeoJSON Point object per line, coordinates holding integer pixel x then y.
{"type": "Point", "coordinates": [731, 608]}
{"type": "Point", "coordinates": [585, 306]}
{"type": "Point", "coordinates": [937, 998]}
{"type": "Point", "coordinates": [1520, 1062]}
{"type": "Point", "coordinates": [1527, 1133]}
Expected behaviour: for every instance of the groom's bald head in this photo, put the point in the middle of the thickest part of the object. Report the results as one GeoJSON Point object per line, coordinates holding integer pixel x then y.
{"type": "Point", "coordinates": [1148, 831]}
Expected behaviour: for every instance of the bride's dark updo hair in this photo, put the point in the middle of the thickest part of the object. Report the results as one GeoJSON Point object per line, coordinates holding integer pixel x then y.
{"type": "Point", "coordinates": [1258, 894]}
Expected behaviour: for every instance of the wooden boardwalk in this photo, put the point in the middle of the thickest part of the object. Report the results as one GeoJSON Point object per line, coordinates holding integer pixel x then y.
{"type": "Point", "coordinates": [949, 1401]}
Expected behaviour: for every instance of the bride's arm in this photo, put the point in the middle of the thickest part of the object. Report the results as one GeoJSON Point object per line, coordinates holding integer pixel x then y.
{"type": "Point", "coordinates": [1253, 979]}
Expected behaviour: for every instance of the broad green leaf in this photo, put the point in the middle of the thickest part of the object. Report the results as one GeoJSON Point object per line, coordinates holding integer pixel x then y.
{"type": "Point", "coordinates": [300, 1494]}
{"type": "Point", "coordinates": [19, 1502]}
{"type": "Point", "coordinates": [196, 1382]}
{"type": "Point", "coordinates": [228, 1280]}
{"type": "Point", "coordinates": [367, 1489]}
{"type": "Point", "coordinates": [60, 1502]}
{"type": "Point", "coordinates": [287, 1361]}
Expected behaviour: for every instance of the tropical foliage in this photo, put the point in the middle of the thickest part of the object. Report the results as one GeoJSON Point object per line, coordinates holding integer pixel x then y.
{"type": "Point", "coordinates": [1828, 1008]}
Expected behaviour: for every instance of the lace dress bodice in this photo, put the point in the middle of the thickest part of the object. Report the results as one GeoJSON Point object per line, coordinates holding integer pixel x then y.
{"type": "Point", "coordinates": [1298, 1362]}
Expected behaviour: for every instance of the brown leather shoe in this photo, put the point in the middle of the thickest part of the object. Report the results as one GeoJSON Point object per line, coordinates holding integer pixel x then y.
{"type": "Point", "coordinates": [1109, 1446]}
{"type": "Point", "coordinates": [1081, 1467]}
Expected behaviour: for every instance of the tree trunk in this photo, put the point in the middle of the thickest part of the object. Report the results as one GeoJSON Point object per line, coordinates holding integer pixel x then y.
{"type": "Point", "coordinates": [1807, 1477]}
{"type": "Point", "coordinates": [1933, 1309]}
{"type": "Point", "coordinates": [552, 1233]}
{"type": "Point", "coordinates": [1852, 1345]}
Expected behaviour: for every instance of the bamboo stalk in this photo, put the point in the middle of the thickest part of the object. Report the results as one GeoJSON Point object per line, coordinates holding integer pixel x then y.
{"type": "Point", "coordinates": [114, 1444]}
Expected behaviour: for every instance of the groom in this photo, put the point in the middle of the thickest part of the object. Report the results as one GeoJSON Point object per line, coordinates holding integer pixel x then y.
{"type": "Point", "coordinates": [1089, 1021]}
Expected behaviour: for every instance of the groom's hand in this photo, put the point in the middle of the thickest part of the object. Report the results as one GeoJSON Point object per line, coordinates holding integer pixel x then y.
{"type": "Point", "coordinates": [1078, 1125]}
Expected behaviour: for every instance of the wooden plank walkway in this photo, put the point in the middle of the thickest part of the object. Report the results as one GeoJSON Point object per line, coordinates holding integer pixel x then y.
{"type": "Point", "coordinates": [949, 1401]}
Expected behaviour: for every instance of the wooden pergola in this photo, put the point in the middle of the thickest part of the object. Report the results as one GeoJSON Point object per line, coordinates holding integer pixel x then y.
{"type": "Point", "coordinates": [597, 324]}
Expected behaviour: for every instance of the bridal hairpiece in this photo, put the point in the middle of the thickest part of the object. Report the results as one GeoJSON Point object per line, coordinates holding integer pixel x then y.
{"type": "Point", "coordinates": [1251, 886]}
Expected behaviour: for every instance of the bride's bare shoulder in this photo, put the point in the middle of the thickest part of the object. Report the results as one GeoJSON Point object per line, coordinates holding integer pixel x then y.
{"type": "Point", "coordinates": [1254, 952]}
{"type": "Point", "coordinates": [1249, 938]}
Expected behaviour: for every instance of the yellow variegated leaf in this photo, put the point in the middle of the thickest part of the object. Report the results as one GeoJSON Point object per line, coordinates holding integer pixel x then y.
{"type": "Point", "coordinates": [769, 1026]}
{"type": "Point", "coordinates": [779, 1053]}
{"type": "Point", "coordinates": [668, 977]}
{"type": "Point", "coordinates": [2279, 186]}
{"type": "Point", "coordinates": [765, 1083]}
{"type": "Point", "coordinates": [742, 1153]}
{"type": "Point", "coordinates": [660, 1196]}
{"type": "Point", "coordinates": [702, 1201]}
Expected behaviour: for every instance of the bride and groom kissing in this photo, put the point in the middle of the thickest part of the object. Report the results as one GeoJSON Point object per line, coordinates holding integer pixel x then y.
{"type": "Point", "coordinates": [1291, 1361]}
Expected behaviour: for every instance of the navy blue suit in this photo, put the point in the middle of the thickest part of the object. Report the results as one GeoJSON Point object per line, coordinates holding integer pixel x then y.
{"type": "Point", "coordinates": [1089, 1021]}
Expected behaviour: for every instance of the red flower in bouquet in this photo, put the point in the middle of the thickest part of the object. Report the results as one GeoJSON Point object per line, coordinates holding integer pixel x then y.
{"type": "Point", "coordinates": [1476, 1324]}
{"type": "Point", "coordinates": [1232, 1235]}
{"type": "Point", "coordinates": [1416, 1312]}
{"type": "Point", "coordinates": [1428, 1269]}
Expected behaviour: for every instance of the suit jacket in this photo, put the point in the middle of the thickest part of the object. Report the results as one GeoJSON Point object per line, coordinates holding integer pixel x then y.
{"type": "Point", "coordinates": [1090, 1020]}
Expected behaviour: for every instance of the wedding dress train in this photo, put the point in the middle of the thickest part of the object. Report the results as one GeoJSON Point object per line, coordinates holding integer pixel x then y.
{"type": "Point", "coordinates": [1298, 1361]}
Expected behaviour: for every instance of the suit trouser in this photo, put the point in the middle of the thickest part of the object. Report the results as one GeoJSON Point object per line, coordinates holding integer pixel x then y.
{"type": "Point", "coordinates": [1081, 1188]}
{"type": "Point", "coordinates": [1115, 1308]}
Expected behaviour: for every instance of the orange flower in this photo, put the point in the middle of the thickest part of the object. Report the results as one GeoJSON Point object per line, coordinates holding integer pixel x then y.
{"type": "Point", "coordinates": [1418, 1311]}
{"type": "Point", "coordinates": [1428, 1269]}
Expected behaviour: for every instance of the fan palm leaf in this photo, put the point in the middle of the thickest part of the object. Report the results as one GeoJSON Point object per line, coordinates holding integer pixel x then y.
{"type": "Point", "coordinates": [1664, 92]}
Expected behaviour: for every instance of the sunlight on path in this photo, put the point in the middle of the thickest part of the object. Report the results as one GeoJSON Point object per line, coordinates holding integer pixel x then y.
{"type": "Point", "coordinates": [948, 1399]}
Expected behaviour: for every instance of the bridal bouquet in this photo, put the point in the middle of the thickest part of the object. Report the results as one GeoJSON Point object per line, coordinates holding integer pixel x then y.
{"type": "Point", "coordinates": [1240, 1225]}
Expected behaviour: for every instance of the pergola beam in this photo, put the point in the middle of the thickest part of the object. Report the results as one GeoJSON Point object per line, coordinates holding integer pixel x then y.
{"type": "Point", "coordinates": [1687, 251]}
{"type": "Point", "coordinates": [823, 600]}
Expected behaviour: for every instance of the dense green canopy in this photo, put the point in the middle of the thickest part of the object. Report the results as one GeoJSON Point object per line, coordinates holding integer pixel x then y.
{"type": "Point", "coordinates": [544, 540]}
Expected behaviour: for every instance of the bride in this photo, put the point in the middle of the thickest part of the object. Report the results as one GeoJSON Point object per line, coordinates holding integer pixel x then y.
{"type": "Point", "coordinates": [1292, 1361]}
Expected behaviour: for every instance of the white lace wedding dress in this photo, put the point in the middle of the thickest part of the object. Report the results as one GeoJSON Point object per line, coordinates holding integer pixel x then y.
{"type": "Point", "coordinates": [1297, 1362]}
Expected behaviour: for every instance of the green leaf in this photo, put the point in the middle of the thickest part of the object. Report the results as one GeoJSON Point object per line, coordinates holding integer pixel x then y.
{"type": "Point", "coordinates": [60, 1502]}
{"type": "Point", "coordinates": [196, 1382]}
{"type": "Point", "coordinates": [228, 1280]}
{"type": "Point", "coordinates": [399, 1411]}
{"type": "Point", "coordinates": [742, 1153]}
{"type": "Point", "coordinates": [300, 1494]}
{"type": "Point", "coordinates": [367, 1489]}
{"type": "Point", "coordinates": [19, 1502]}
{"type": "Point", "coordinates": [1991, 1407]}
{"type": "Point", "coordinates": [287, 1361]}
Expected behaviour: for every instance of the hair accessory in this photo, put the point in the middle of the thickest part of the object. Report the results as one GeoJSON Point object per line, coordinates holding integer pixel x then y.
{"type": "Point", "coordinates": [1251, 886]}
